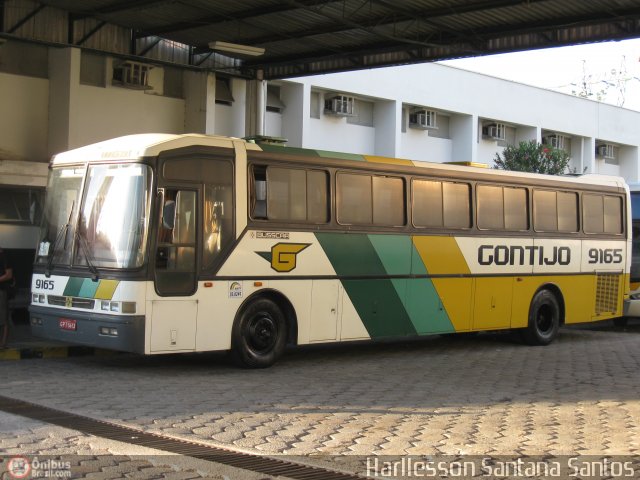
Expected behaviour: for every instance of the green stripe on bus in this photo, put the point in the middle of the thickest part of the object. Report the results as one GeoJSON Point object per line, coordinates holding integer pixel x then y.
{"type": "Point", "coordinates": [419, 296]}
{"type": "Point", "coordinates": [376, 300]}
{"type": "Point", "coordinates": [88, 289]}
{"type": "Point", "coordinates": [72, 289]}
{"type": "Point", "coordinates": [341, 156]}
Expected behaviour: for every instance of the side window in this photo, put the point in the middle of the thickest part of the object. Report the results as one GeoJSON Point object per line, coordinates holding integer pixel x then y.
{"type": "Point", "coordinates": [388, 201]}
{"type": "Point", "coordinates": [515, 209]}
{"type": "Point", "coordinates": [545, 211]}
{"type": "Point", "coordinates": [490, 208]}
{"type": "Point", "coordinates": [457, 204]}
{"type": "Point", "coordinates": [502, 208]}
{"type": "Point", "coordinates": [593, 213]}
{"type": "Point", "coordinates": [602, 214]}
{"type": "Point", "coordinates": [441, 204]}
{"type": "Point", "coordinates": [370, 200]}
{"type": "Point", "coordinates": [286, 194]}
{"type": "Point", "coordinates": [427, 203]}
{"type": "Point", "coordinates": [555, 211]}
{"type": "Point", "coordinates": [354, 201]}
{"type": "Point", "coordinates": [217, 222]}
{"type": "Point", "coordinates": [567, 212]}
{"type": "Point", "coordinates": [612, 214]}
{"type": "Point", "coordinates": [290, 194]}
{"type": "Point", "coordinates": [176, 249]}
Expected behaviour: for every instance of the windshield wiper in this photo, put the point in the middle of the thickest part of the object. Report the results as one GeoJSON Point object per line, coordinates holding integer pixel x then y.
{"type": "Point", "coordinates": [62, 232]}
{"type": "Point", "coordinates": [82, 240]}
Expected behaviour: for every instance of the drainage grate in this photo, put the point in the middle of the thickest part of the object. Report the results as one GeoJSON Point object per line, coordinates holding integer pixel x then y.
{"type": "Point", "coordinates": [255, 463]}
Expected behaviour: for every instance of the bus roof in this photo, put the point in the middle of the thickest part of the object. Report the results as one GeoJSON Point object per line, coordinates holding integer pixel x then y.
{"type": "Point", "coordinates": [131, 147]}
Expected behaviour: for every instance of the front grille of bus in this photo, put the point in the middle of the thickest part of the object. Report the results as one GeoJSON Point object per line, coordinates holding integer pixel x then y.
{"type": "Point", "coordinates": [607, 291]}
{"type": "Point", "coordinates": [76, 302]}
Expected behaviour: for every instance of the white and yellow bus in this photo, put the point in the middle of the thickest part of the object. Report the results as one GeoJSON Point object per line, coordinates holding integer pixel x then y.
{"type": "Point", "coordinates": [187, 243]}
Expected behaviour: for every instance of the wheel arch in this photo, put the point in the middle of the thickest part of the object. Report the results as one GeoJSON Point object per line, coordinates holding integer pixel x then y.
{"type": "Point", "coordinates": [284, 304]}
{"type": "Point", "coordinates": [557, 292]}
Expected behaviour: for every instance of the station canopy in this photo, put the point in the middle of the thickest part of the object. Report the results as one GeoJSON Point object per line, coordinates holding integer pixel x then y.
{"type": "Point", "coordinates": [308, 37]}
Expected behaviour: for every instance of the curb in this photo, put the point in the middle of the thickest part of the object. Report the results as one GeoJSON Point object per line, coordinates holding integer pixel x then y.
{"type": "Point", "coordinates": [50, 352]}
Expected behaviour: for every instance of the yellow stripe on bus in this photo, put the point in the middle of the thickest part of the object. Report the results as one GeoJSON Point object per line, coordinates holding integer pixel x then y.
{"type": "Point", "coordinates": [106, 289]}
{"type": "Point", "coordinates": [442, 255]}
{"type": "Point", "coordinates": [391, 161]}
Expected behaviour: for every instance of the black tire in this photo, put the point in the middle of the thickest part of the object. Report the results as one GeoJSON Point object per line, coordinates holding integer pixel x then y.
{"type": "Point", "coordinates": [620, 321]}
{"type": "Point", "coordinates": [259, 334]}
{"type": "Point", "coordinates": [544, 319]}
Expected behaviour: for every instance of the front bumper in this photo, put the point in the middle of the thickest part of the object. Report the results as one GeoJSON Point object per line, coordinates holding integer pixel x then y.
{"type": "Point", "coordinates": [45, 323]}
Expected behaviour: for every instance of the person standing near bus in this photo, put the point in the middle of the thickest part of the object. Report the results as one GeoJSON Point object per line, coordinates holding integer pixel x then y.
{"type": "Point", "coordinates": [6, 282]}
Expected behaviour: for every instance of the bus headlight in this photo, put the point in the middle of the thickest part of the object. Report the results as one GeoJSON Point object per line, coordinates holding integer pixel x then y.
{"type": "Point", "coordinates": [118, 307]}
{"type": "Point", "coordinates": [38, 297]}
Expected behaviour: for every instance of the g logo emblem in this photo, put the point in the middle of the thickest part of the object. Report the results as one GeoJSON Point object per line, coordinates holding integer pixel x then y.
{"type": "Point", "coordinates": [283, 256]}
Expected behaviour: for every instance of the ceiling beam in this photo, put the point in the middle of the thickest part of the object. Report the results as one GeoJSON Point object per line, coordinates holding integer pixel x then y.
{"type": "Point", "coordinates": [512, 38]}
{"type": "Point", "coordinates": [231, 17]}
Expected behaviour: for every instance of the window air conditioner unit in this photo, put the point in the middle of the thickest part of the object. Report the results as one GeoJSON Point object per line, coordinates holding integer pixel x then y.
{"type": "Point", "coordinates": [131, 74]}
{"type": "Point", "coordinates": [555, 140]}
{"type": "Point", "coordinates": [494, 131]}
{"type": "Point", "coordinates": [605, 151]}
{"type": "Point", "coordinates": [340, 105]}
{"type": "Point", "coordinates": [423, 119]}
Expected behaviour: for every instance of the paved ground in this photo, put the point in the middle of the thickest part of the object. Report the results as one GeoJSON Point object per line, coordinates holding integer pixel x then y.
{"type": "Point", "coordinates": [486, 395]}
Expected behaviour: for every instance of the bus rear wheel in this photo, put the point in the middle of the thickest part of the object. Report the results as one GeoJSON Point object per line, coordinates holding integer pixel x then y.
{"type": "Point", "coordinates": [259, 334]}
{"type": "Point", "coordinates": [544, 319]}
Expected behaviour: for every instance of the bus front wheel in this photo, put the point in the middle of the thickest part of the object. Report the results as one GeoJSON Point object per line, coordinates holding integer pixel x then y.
{"type": "Point", "coordinates": [544, 319]}
{"type": "Point", "coordinates": [259, 334]}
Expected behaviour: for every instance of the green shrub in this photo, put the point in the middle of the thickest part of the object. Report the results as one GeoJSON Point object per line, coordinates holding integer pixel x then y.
{"type": "Point", "coordinates": [533, 157]}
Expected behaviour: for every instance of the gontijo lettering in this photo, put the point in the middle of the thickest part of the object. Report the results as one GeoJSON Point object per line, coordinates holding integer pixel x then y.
{"type": "Point", "coordinates": [523, 255]}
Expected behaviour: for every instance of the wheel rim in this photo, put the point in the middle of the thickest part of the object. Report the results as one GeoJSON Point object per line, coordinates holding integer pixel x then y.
{"type": "Point", "coordinates": [261, 333]}
{"type": "Point", "coordinates": [545, 319]}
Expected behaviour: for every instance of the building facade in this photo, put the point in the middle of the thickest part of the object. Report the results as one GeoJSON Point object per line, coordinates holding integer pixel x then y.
{"type": "Point", "coordinates": [56, 98]}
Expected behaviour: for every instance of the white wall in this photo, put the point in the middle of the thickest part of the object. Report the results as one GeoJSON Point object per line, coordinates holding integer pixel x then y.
{"type": "Point", "coordinates": [111, 112]}
{"type": "Point", "coordinates": [335, 134]}
{"type": "Point", "coordinates": [273, 124]}
{"type": "Point", "coordinates": [418, 145]}
{"type": "Point", "coordinates": [24, 123]}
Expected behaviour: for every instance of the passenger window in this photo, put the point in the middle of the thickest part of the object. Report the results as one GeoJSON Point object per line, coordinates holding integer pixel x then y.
{"type": "Point", "coordinates": [545, 211]}
{"type": "Point", "coordinates": [457, 205]}
{"type": "Point", "coordinates": [441, 204]}
{"type": "Point", "coordinates": [593, 213]}
{"type": "Point", "coordinates": [388, 201]}
{"type": "Point", "coordinates": [490, 208]}
{"type": "Point", "coordinates": [290, 194]}
{"type": "Point", "coordinates": [515, 209]}
{"type": "Point", "coordinates": [427, 203]}
{"type": "Point", "coordinates": [567, 212]}
{"type": "Point", "coordinates": [354, 201]}
{"type": "Point", "coordinates": [612, 214]}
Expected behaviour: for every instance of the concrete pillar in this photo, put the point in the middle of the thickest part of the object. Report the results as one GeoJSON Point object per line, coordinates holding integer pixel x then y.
{"type": "Point", "coordinates": [464, 138]}
{"type": "Point", "coordinates": [255, 107]}
{"type": "Point", "coordinates": [589, 155]}
{"type": "Point", "coordinates": [64, 102]}
{"type": "Point", "coordinates": [199, 102]}
{"type": "Point", "coordinates": [295, 116]}
{"type": "Point", "coordinates": [387, 119]}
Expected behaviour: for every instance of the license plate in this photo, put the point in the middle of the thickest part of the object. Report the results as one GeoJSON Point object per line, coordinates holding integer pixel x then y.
{"type": "Point", "coordinates": [67, 324]}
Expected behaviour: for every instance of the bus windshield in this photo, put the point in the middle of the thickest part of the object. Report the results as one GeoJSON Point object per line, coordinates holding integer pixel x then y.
{"type": "Point", "coordinates": [112, 221]}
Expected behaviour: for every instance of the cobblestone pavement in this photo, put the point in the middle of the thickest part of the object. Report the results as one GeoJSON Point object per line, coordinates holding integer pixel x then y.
{"type": "Point", "coordinates": [486, 395]}
{"type": "Point", "coordinates": [95, 458]}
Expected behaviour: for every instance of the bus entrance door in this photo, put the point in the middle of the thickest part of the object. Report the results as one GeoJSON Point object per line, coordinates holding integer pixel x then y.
{"type": "Point", "coordinates": [174, 309]}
